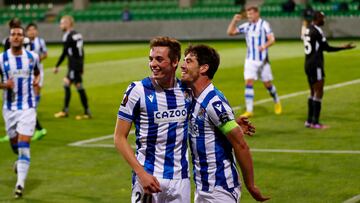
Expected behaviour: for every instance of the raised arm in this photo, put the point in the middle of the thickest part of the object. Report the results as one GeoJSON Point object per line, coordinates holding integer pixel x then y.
{"type": "Point", "coordinates": [232, 29]}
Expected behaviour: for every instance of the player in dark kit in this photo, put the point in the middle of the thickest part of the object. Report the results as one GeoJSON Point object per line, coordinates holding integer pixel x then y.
{"type": "Point", "coordinates": [315, 43]}
{"type": "Point", "coordinates": [74, 50]}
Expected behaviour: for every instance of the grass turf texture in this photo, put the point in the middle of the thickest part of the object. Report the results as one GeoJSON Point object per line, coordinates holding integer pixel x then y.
{"type": "Point", "coordinates": [60, 173]}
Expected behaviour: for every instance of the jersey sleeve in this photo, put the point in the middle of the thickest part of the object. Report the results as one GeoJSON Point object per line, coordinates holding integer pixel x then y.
{"type": "Point", "coordinates": [242, 28]}
{"type": "Point", "coordinates": [219, 112]}
{"type": "Point", "coordinates": [43, 48]}
{"type": "Point", "coordinates": [267, 28]}
{"type": "Point", "coordinates": [130, 103]}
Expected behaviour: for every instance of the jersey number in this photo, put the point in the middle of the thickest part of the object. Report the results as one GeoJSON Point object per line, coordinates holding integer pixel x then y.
{"type": "Point", "coordinates": [307, 44]}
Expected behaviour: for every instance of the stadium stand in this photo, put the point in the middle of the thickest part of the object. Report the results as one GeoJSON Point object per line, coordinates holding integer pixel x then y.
{"type": "Point", "coordinates": [26, 12]}
{"type": "Point", "coordinates": [202, 9]}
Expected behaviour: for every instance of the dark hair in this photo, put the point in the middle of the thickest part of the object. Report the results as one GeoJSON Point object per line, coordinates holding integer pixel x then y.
{"type": "Point", "coordinates": [318, 15]}
{"type": "Point", "coordinates": [173, 45]}
{"type": "Point", "coordinates": [14, 22]}
{"type": "Point", "coordinates": [205, 55]}
{"type": "Point", "coordinates": [31, 25]}
{"type": "Point", "coordinates": [254, 8]}
{"type": "Point", "coordinates": [18, 27]}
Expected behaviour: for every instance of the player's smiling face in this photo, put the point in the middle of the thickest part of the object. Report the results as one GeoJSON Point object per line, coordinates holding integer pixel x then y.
{"type": "Point", "coordinates": [16, 37]}
{"type": "Point", "coordinates": [161, 66]}
{"type": "Point", "coordinates": [190, 69]}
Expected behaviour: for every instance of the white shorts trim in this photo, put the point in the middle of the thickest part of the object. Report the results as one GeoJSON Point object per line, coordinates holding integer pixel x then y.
{"type": "Point", "coordinates": [19, 122]}
{"type": "Point", "coordinates": [218, 195]}
{"type": "Point", "coordinates": [255, 69]}
{"type": "Point", "coordinates": [173, 191]}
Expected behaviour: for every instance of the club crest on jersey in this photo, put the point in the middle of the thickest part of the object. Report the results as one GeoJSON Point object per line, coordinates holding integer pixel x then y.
{"type": "Point", "coordinates": [171, 115]}
{"type": "Point", "coordinates": [201, 114]}
{"type": "Point", "coordinates": [187, 97]}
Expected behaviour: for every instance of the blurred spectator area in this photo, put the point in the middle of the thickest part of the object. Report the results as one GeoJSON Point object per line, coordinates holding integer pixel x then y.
{"type": "Point", "coordinates": [147, 10]}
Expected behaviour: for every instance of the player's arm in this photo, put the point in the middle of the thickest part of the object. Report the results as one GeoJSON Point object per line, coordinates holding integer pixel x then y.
{"type": "Point", "coordinates": [63, 55]}
{"type": "Point", "coordinates": [269, 36]}
{"type": "Point", "coordinates": [329, 48]}
{"type": "Point", "coordinates": [43, 50]}
{"type": "Point", "coordinates": [242, 153]}
{"type": "Point", "coordinates": [9, 84]}
{"type": "Point", "coordinates": [232, 29]}
{"type": "Point", "coordinates": [149, 182]}
{"type": "Point", "coordinates": [36, 72]}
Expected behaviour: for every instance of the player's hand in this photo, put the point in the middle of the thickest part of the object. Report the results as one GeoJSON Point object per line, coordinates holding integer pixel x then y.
{"type": "Point", "coordinates": [36, 81]}
{"type": "Point", "coordinates": [10, 84]}
{"type": "Point", "coordinates": [262, 48]}
{"type": "Point", "coordinates": [349, 45]}
{"type": "Point", "coordinates": [256, 194]}
{"type": "Point", "coordinates": [237, 17]}
{"type": "Point", "coordinates": [56, 70]}
{"type": "Point", "coordinates": [149, 183]}
{"type": "Point", "coordinates": [246, 126]}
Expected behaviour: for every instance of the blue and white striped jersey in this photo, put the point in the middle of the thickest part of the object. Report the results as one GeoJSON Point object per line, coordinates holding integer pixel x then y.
{"type": "Point", "coordinates": [21, 69]}
{"type": "Point", "coordinates": [38, 46]}
{"type": "Point", "coordinates": [161, 121]}
{"type": "Point", "coordinates": [255, 35]}
{"type": "Point", "coordinates": [212, 157]}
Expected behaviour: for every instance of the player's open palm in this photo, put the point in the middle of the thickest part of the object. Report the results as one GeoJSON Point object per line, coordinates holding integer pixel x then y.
{"type": "Point", "coordinates": [149, 183]}
{"type": "Point", "coordinates": [256, 194]}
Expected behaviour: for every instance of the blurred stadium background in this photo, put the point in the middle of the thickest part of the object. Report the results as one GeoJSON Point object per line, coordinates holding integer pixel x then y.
{"type": "Point", "coordinates": [76, 161]}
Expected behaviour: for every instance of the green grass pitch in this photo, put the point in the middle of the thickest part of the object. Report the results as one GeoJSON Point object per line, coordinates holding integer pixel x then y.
{"type": "Point", "coordinates": [62, 173]}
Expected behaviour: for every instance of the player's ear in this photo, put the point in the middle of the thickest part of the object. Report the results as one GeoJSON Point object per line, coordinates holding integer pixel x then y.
{"type": "Point", "coordinates": [204, 68]}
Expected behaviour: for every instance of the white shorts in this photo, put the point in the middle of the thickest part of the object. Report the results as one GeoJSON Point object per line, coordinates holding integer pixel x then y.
{"type": "Point", "coordinates": [255, 69]}
{"type": "Point", "coordinates": [218, 195]}
{"type": "Point", "coordinates": [173, 191]}
{"type": "Point", "coordinates": [19, 122]}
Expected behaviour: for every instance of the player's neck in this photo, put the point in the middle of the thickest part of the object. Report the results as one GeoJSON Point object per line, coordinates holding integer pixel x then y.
{"type": "Point", "coordinates": [166, 83]}
{"type": "Point", "coordinates": [16, 50]}
{"type": "Point", "coordinates": [199, 86]}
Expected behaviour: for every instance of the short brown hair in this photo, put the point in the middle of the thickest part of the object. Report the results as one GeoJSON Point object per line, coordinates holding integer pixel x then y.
{"type": "Point", "coordinates": [173, 45]}
{"type": "Point", "coordinates": [254, 8]}
{"type": "Point", "coordinates": [205, 55]}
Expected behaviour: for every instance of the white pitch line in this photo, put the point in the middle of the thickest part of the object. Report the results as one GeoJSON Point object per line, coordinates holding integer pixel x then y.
{"type": "Point", "coordinates": [307, 151]}
{"type": "Point", "coordinates": [303, 92]}
{"type": "Point", "coordinates": [84, 142]}
{"type": "Point", "coordinates": [355, 199]}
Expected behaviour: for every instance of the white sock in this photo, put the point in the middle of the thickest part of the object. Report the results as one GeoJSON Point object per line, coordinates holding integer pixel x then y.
{"type": "Point", "coordinates": [23, 163]}
{"type": "Point", "coordinates": [249, 98]}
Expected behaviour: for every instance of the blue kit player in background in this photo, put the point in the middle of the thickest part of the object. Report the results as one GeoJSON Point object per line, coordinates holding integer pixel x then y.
{"type": "Point", "coordinates": [74, 51]}
{"type": "Point", "coordinates": [19, 75]}
{"type": "Point", "coordinates": [214, 134]}
{"type": "Point", "coordinates": [158, 106]}
{"type": "Point", "coordinates": [37, 45]}
{"type": "Point", "coordinates": [315, 43]}
{"type": "Point", "coordinates": [259, 37]}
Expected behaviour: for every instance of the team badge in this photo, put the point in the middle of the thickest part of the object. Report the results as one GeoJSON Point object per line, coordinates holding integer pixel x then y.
{"type": "Point", "coordinates": [201, 114]}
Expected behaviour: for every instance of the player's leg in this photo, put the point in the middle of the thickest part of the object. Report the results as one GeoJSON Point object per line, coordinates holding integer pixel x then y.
{"type": "Point", "coordinates": [67, 85]}
{"type": "Point", "coordinates": [25, 129]}
{"type": "Point", "coordinates": [250, 75]}
{"type": "Point", "coordinates": [317, 99]}
{"type": "Point", "coordinates": [83, 97]}
{"type": "Point", "coordinates": [267, 77]}
{"type": "Point", "coordinates": [40, 131]}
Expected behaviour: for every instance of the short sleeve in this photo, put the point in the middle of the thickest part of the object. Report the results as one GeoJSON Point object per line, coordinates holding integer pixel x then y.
{"type": "Point", "coordinates": [242, 28]}
{"type": "Point", "coordinates": [219, 112]}
{"type": "Point", "coordinates": [130, 103]}
{"type": "Point", "coordinates": [267, 28]}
